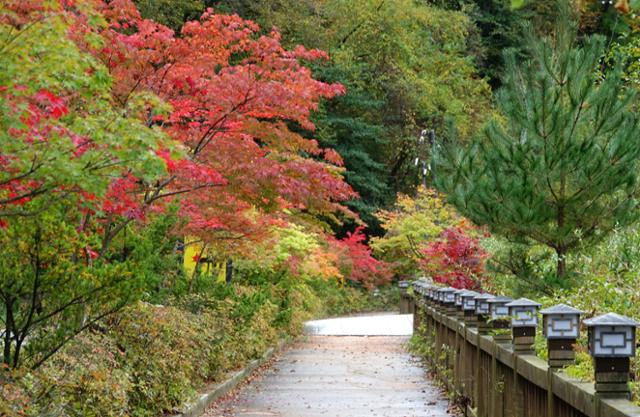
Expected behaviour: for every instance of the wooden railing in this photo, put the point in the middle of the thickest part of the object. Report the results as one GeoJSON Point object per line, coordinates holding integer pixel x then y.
{"type": "Point", "coordinates": [489, 375]}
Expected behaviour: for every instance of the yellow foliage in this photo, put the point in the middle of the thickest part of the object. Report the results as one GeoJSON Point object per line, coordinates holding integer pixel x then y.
{"type": "Point", "coordinates": [412, 222]}
{"type": "Point", "coordinates": [197, 254]}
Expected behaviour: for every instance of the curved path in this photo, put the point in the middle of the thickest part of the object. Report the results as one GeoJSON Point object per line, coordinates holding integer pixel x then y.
{"type": "Point", "coordinates": [348, 375]}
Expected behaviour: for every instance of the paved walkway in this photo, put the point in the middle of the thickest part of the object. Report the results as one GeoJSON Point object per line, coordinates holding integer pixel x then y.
{"type": "Point", "coordinates": [341, 376]}
{"type": "Point", "coordinates": [370, 325]}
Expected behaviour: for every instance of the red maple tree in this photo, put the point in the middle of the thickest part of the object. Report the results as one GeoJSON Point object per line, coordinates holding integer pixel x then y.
{"type": "Point", "coordinates": [357, 262]}
{"type": "Point", "coordinates": [455, 259]}
{"type": "Point", "coordinates": [236, 97]}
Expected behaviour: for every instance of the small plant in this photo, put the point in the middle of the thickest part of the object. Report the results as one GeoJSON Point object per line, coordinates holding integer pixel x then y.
{"type": "Point", "coordinates": [540, 346]}
{"type": "Point", "coordinates": [583, 368]}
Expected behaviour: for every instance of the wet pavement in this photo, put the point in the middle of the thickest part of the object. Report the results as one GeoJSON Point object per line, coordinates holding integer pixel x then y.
{"type": "Point", "coordinates": [341, 376]}
{"type": "Point", "coordinates": [370, 325]}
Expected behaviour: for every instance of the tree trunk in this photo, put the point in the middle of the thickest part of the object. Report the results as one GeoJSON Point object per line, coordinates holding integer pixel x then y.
{"type": "Point", "coordinates": [561, 270]}
{"type": "Point", "coordinates": [16, 353]}
{"type": "Point", "coordinates": [8, 333]}
{"type": "Point", "coordinates": [561, 250]}
{"type": "Point", "coordinates": [229, 271]}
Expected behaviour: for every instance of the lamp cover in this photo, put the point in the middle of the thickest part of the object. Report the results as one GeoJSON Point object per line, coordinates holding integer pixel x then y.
{"type": "Point", "coordinates": [448, 295]}
{"type": "Point", "coordinates": [524, 312]}
{"type": "Point", "coordinates": [482, 303]}
{"type": "Point", "coordinates": [458, 295]}
{"type": "Point", "coordinates": [612, 335]}
{"type": "Point", "coordinates": [561, 322]}
{"type": "Point", "coordinates": [468, 300]}
{"type": "Point", "coordinates": [498, 307]}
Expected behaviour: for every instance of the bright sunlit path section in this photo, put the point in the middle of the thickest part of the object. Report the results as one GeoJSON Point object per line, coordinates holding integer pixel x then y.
{"type": "Point", "coordinates": [371, 325]}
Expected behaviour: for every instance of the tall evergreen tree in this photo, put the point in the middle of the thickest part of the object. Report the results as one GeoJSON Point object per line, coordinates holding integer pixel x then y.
{"type": "Point", "coordinates": [343, 124]}
{"type": "Point", "coordinates": [563, 166]}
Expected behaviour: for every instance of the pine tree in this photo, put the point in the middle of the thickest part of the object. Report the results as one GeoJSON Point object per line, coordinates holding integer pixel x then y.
{"type": "Point", "coordinates": [562, 167]}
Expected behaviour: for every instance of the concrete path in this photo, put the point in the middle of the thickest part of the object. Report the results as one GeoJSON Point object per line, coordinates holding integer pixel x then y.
{"type": "Point", "coordinates": [373, 325]}
{"type": "Point", "coordinates": [341, 376]}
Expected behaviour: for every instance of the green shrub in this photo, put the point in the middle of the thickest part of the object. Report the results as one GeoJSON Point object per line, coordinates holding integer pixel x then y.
{"type": "Point", "coordinates": [17, 393]}
{"type": "Point", "coordinates": [86, 378]}
{"type": "Point", "coordinates": [336, 299]}
{"type": "Point", "coordinates": [163, 348]}
{"type": "Point", "coordinates": [582, 369]}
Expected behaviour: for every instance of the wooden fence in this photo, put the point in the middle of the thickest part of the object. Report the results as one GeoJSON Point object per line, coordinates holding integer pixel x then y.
{"type": "Point", "coordinates": [486, 375]}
